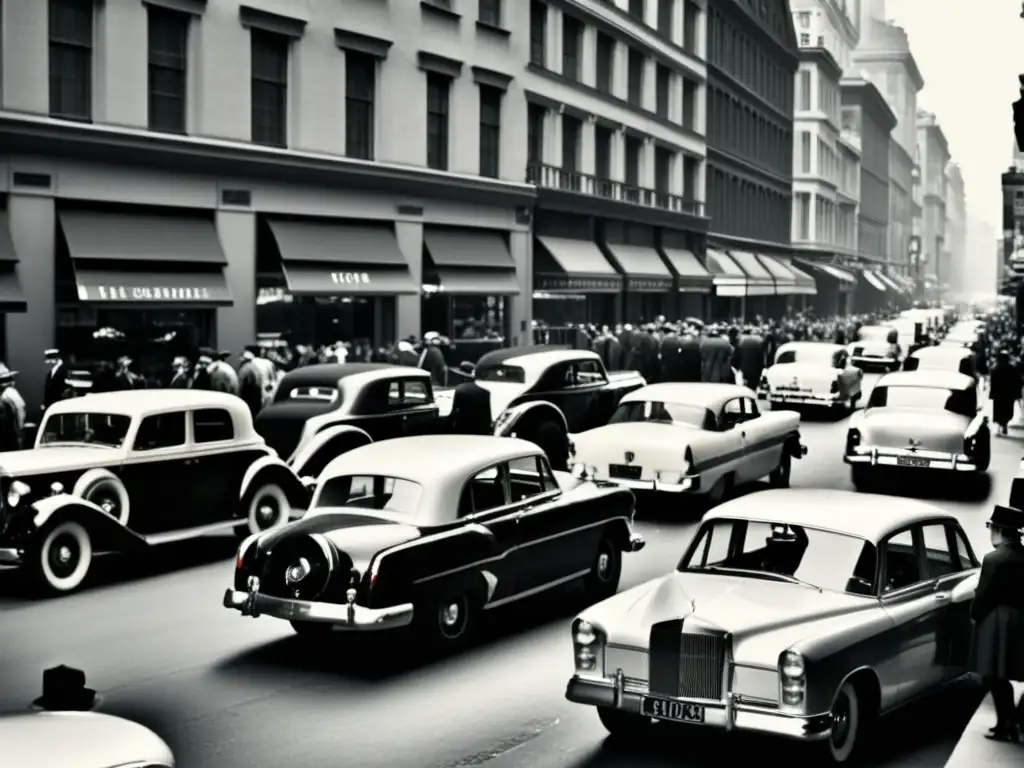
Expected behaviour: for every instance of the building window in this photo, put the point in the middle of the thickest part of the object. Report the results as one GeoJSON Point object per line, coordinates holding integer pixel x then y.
{"type": "Point", "coordinates": [636, 9]}
{"type": "Point", "coordinates": [71, 59]}
{"type": "Point", "coordinates": [489, 12]}
{"type": "Point", "coordinates": [691, 177]}
{"type": "Point", "coordinates": [804, 92]}
{"type": "Point", "coordinates": [634, 147]}
{"type": "Point", "coordinates": [168, 56]}
{"type": "Point", "coordinates": [360, 94]}
{"type": "Point", "coordinates": [635, 91]}
{"type": "Point", "coordinates": [664, 159]}
{"type": "Point", "coordinates": [663, 84]}
{"type": "Point", "coordinates": [805, 152]}
{"type": "Point", "coordinates": [571, 130]}
{"type": "Point", "coordinates": [803, 216]}
{"type": "Point", "coordinates": [689, 104]}
{"type": "Point", "coordinates": [269, 89]}
{"type": "Point", "coordinates": [691, 19]}
{"type": "Point", "coordinates": [605, 62]}
{"type": "Point", "coordinates": [803, 19]}
{"type": "Point", "coordinates": [602, 152]}
{"type": "Point", "coordinates": [535, 116]}
{"type": "Point", "coordinates": [490, 131]}
{"type": "Point", "coordinates": [538, 32]}
{"type": "Point", "coordinates": [665, 13]}
{"type": "Point", "coordinates": [438, 91]}
{"type": "Point", "coordinates": [572, 36]}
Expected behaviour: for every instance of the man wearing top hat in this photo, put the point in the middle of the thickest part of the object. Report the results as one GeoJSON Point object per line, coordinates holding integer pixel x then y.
{"type": "Point", "coordinates": [998, 613]}
{"type": "Point", "coordinates": [53, 389]}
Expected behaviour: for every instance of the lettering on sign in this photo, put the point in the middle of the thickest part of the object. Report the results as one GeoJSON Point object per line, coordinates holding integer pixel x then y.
{"type": "Point", "coordinates": [649, 284]}
{"type": "Point", "coordinates": [578, 284]}
{"type": "Point", "coordinates": [142, 293]}
{"type": "Point", "coordinates": [350, 278]}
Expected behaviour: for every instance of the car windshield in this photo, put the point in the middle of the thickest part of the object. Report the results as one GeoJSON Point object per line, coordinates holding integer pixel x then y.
{"type": "Point", "coordinates": [812, 353]}
{"type": "Point", "coordinates": [874, 333]}
{"type": "Point", "coordinates": [779, 551]}
{"type": "Point", "coordinates": [513, 374]}
{"type": "Point", "coordinates": [664, 413]}
{"type": "Point", "coordinates": [103, 429]}
{"type": "Point", "coordinates": [960, 401]}
{"type": "Point", "coordinates": [394, 495]}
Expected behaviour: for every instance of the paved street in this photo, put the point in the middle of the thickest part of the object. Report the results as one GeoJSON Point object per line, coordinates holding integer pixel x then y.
{"type": "Point", "coordinates": [236, 693]}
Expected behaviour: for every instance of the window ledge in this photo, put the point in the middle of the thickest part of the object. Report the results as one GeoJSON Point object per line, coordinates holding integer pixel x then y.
{"type": "Point", "coordinates": [494, 29]}
{"type": "Point", "coordinates": [427, 7]}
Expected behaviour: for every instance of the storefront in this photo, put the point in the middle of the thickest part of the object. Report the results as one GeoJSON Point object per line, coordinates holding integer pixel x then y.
{"type": "Point", "coordinates": [137, 282]}
{"type": "Point", "coordinates": [693, 284]}
{"type": "Point", "coordinates": [12, 299]}
{"type": "Point", "coordinates": [785, 287]}
{"type": "Point", "coordinates": [573, 283]}
{"type": "Point", "coordinates": [835, 287]}
{"type": "Point", "coordinates": [804, 286]}
{"type": "Point", "coordinates": [873, 293]}
{"type": "Point", "coordinates": [742, 285]}
{"type": "Point", "coordinates": [469, 280]}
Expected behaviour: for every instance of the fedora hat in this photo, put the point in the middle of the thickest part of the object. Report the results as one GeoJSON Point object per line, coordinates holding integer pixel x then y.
{"type": "Point", "coordinates": [6, 374]}
{"type": "Point", "coordinates": [64, 690]}
{"type": "Point", "coordinates": [79, 379]}
{"type": "Point", "coordinates": [1008, 518]}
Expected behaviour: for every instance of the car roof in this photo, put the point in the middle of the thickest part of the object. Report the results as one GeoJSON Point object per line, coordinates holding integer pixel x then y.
{"type": "Point", "coordinates": [430, 459]}
{"type": "Point", "coordinates": [928, 378]}
{"type": "Point", "coordinates": [140, 402]}
{"type": "Point", "coordinates": [535, 363]}
{"type": "Point", "coordinates": [706, 395]}
{"type": "Point", "coordinates": [831, 510]}
{"type": "Point", "coordinates": [502, 356]}
{"type": "Point", "coordinates": [952, 352]}
{"type": "Point", "coordinates": [332, 373]}
{"type": "Point", "coordinates": [818, 344]}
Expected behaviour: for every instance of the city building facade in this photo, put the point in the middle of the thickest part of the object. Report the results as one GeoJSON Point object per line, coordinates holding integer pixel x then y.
{"type": "Point", "coordinates": [934, 157]}
{"type": "Point", "coordinates": [752, 60]}
{"type": "Point", "coordinates": [615, 141]}
{"type": "Point", "coordinates": [956, 229]}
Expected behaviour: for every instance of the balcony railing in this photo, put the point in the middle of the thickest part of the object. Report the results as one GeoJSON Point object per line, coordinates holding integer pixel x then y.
{"type": "Point", "coordinates": [553, 177]}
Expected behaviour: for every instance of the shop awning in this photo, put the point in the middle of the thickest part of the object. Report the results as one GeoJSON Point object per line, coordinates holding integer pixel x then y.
{"type": "Point", "coordinates": [847, 280]}
{"type": "Point", "coordinates": [332, 259]}
{"type": "Point", "coordinates": [206, 288]}
{"type": "Point", "coordinates": [874, 280]}
{"type": "Point", "coordinates": [483, 282]}
{"type": "Point", "coordinates": [890, 283]}
{"type": "Point", "coordinates": [644, 269]}
{"type": "Point", "coordinates": [12, 299]}
{"type": "Point", "coordinates": [565, 265]}
{"type": "Point", "coordinates": [691, 275]}
{"type": "Point", "coordinates": [469, 261]}
{"type": "Point", "coordinates": [728, 278]}
{"type": "Point", "coordinates": [805, 284]}
{"type": "Point", "coordinates": [785, 280]}
{"type": "Point", "coordinates": [759, 279]}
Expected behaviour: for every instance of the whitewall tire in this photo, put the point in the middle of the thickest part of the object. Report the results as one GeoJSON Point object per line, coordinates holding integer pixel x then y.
{"type": "Point", "coordinates": [63, 557]}
{"type": "Point", "coordinates": [268, 508]}
{"type": "Point", "coordinates": [842, 743]}
{"type": "Point", "coordinates": [109, 494]}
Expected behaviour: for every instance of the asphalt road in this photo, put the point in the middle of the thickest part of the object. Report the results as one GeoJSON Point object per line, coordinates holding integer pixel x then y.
{"type": "Point", "coordinates": [231, 692]}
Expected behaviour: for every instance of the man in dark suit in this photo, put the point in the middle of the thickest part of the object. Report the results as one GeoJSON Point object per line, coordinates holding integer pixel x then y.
{"type": "Point", "coordinates": [471, 409]}
{"type": "Point", "coordinates": [53, 390]}
{"type": "Point", "coordinates": [998, 613]}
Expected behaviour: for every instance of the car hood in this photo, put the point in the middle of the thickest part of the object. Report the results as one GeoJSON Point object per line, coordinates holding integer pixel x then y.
{"type": "Point", "coordinates": [503, 394]}
{"type": "Point", "coordinates": [784, 373]}
{"type": "Point", "coordinates": [352, 532]}
{"type": "Point", "coordinates": [764, 617]}
{"type": "Point", "coordinates": [41, 461]}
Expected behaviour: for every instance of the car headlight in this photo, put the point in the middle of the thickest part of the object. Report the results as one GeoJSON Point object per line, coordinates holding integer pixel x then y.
{"type": "Point", "coordinates": [588, 647]}
{"type": "Point", "coordinates": [16, 492]}
{"type": "Point", "coordinates": [792, 678]}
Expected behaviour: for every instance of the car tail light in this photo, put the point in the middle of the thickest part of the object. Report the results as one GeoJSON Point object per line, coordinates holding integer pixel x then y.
{"type": "Point", "coordinates": [970, 445]}
{"type": "Point", "coordinates": [852, 440]}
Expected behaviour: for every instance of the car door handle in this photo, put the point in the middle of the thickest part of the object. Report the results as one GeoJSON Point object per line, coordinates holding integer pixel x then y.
{"type": "Point", "coordinates": [743, 434]}
{"type": "Point", "coordinates": [941, 596]}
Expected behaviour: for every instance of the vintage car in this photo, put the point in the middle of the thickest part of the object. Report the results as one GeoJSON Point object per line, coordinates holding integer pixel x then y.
{"type": "Point", "coordinates": [924, 419]}
{"type": "Point", "coordinates": [951, 358]}
{"type": "Point", "coordinates": [782, 618]}
{"type": "Point", "coordinates": [321, 411]}
{"type": "Point", "coordinates": [963, 334]}
{"type": "Point", "coordinates": [690, 438]}
{"type": "Point", "coordinates": [876, 346]}
{"type": "Point", "coordinates": [62, 729]}
{"type": "Point", "coordinates": [429, 531]}
{"type": "Point", "coordinates": [812, 373]}
{"type": "Point", "coordinates": [123, 471]}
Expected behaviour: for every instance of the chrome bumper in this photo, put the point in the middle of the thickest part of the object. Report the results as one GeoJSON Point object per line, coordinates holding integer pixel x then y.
{"type": "Point", "coordinates": [688, 485]}
{"type": "Point", "coordinates": [861, 360]}
{"type": "Point", "coordinates": [10, 556]}
{"type": "Point", "coordinates": [803, 398]}
{"type": "Point", "coordinates": [343, 616]}
{"type": "Point", "coordinates": [888, 457]}
{"type": "Point", "coordinates": [729, 715]}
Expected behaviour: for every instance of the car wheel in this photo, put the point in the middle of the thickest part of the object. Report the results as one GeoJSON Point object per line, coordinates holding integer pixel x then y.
{"type": "Point", "coordinates": [603, 580]}
{"type": "Point", "coordinates": [110, 495]}
{"type": "Point", "coordinates": [448, 622]}
{"type": "Point", "coordinates": [268, 508]}
{"type": "Point", "coordinates": [842, 743]}
{"type": "Point", "coordinates": [623, 724]}
{"type": "Point", "coordinates": [779, 478]}
{"type": "Point", "coordinates": [62, 558]}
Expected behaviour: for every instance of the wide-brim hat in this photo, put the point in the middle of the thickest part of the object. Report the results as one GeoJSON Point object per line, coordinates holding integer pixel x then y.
{"type": "Point", "coordinates": [1007, 518]}
{"type": "Point", "coordinates": [64, 690]}
{"type": "Point", "coordinates": [79, 379]}
{"type": "Point", "coordinates": [6, 374]}
{"type": "Point", "coordinates": [51, 354]}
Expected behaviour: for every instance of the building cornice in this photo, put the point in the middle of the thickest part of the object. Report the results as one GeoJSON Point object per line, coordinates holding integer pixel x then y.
{"type": "Point", "coordinates": [871, 99]}
{"type": "Point", "coordinates": [824, 58]}
{"type": "Point", "coordinates": [906, 58]}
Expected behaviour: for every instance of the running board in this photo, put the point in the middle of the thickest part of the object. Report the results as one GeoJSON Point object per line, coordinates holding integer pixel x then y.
{"type": "Point", "coordinates": [192, 533]}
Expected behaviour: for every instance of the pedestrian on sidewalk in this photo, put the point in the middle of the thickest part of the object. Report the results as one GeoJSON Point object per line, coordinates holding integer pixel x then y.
{"type": "Point", "coordinates": [1005, 390]}
{"type": "Point", "coordinates": [997, 653]}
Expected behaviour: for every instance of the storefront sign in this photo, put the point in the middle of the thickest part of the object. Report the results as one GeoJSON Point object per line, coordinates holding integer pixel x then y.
{"type": "Point", "coordinates": [605, 284]}
{"type": "Point", "coordinates": [350, 278]}
{"type": "Point", "coordinates": [649, 284]}
{"type": "Point", "coordinates": [143, 293]}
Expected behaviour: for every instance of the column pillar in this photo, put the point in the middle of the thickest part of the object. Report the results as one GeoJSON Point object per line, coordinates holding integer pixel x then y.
{"type": "Point", "coordinates": [409, 309]}
{"type": "Point", "coordinates": [521, 306]}
{"type": "Point", "coordinates": [236, 325]}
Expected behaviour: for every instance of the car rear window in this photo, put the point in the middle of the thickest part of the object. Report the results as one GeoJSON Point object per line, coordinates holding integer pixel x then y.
{"type": "Point", "coordinates": [318, 394]}
{"type": "Point", "coordinates": [510, 373]}
{"type": "Point", "coordinates": [960, 401]}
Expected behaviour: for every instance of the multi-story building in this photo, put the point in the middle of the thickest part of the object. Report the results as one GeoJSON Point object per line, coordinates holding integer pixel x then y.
{"type": "Point", "coordinates": [203, 172]}
{"type": "Point", "coordinates": [883, 55]}
{"type": "Point", "coordinates": [956, 228]}
{"type": "Point", "coordinates": [869, 121]}
{"type": "Point", "coordinates": [826, 161]}
{"type": "Point", "coordinates": [934, 157]}
{"type": "Point", "coordinates": [752, 59]}
{"type": "Point", "coordinates": [1013, 226]}
{"type": "Point", "coordinates": [615, 126]}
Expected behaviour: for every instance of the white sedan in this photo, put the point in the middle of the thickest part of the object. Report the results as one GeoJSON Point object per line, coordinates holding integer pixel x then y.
{"type": "Point", "coordinates": [812, 373]}
{"type": "Point", "coordinates": [689, 438]}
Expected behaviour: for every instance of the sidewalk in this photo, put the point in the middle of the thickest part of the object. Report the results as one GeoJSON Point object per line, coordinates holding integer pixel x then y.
{"type": "Point", "coordinates": [974, 750]}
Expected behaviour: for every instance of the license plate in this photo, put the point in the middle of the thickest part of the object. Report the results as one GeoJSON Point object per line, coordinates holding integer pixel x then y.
{"type": "Point", "coordinates": [677, 711]}
{"type": "Point", "coordinates": [624, 471]}
{"type": "Point", "coordinates": [911, 461]}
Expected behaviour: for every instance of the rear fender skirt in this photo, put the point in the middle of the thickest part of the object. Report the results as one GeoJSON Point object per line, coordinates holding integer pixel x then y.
{"type": "Point", "coordinates": [271, 469]}
{"type": "Point", "coordinates": [309, 449]}
{"type": "Point", "coordinates": [108, 534]}
{"type": "Point", "coordinates": [542, 411]}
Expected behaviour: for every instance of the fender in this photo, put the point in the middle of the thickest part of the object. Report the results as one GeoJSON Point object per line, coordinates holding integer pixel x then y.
{"type": "Point", "coordinates": [93, 475]}
{"type": "Point", "coordinates": [308, 450]}
{"type": "Point", "coordinates": [283, 475]}
{"type": "Point", "coordinates": [108, 534]}
{"type": "Point", "coordinates": [507, 421]}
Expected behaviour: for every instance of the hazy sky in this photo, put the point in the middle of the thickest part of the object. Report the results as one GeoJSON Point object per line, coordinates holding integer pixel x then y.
{"type": "Point", "coordinates": [970, 53]}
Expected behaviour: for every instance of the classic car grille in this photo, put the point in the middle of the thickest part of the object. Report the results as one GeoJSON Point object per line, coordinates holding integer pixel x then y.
{"type": "Point", "coordinates": [283, 556]}
{"type": "Point", "coordinates": [686, 665]}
